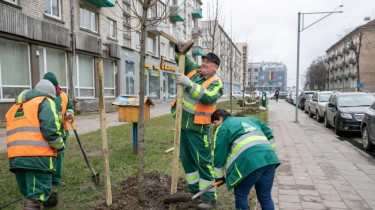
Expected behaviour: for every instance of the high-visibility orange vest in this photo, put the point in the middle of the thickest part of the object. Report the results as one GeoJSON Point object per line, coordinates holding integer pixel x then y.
{"type": "Point", "coordinates": [64, 107]}
{"type": "Point", "coordinates": [202, 112]}
{"type": "Point", "coordinates": [24, 137]}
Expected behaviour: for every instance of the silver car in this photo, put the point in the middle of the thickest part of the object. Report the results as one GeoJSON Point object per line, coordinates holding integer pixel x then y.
{"type": "Point", "coordinates": [317, 105]}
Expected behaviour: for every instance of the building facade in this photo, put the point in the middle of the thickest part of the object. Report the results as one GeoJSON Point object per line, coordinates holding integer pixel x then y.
{"type": "Point", "coordinates": [36, 37]}
{"type": "Point", "coordinates": [216, 40]}
{"type": "Point", "coordinates": [350, 62]}
{"type": "Point", "coordinates": [268, 76]}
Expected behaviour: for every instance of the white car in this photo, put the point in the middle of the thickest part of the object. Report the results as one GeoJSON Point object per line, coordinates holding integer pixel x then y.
{"type": "Point", "coordinates": [317, 105]}
{"type": "Point", "coordinates": [239, 95]}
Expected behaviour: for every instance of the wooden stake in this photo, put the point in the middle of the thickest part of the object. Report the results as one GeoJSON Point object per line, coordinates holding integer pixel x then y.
{"type": "Point", "coordinates": [103, 133]}
{"type": "Point", "coordinates": [177, 134]}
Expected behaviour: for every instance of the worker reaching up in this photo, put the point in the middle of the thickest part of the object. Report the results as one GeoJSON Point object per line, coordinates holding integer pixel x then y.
{"type": "Point", "coordinates": [202, 89]}
{"type": "Point", "coordinates": [65, 109]}
{"type": "Point", "coordinates": [244, 152]}
{"type": "Point", "coordinates": [33, 141]}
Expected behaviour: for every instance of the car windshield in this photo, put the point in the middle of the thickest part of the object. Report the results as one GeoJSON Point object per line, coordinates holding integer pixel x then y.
{"type": "Point", "coordinates": [324, 97]}
{"type": "Point", "coordinates": [355, 100]}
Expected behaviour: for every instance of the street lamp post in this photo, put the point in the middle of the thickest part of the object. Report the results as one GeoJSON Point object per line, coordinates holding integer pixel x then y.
{"type": "Point", "coordinates": [299, 30]}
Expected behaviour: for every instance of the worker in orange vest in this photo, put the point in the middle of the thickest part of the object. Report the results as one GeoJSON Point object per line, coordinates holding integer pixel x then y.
{"type": "Point", "coordinates": [33, 141]}
{"type": "Point", "coordinates": [202, 88]}
{"type": "Point", "coordinates": [65, 109]}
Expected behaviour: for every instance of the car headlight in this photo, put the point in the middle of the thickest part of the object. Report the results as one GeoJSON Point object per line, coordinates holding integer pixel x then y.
{"type": "Point", "coordinates": [346, 116]}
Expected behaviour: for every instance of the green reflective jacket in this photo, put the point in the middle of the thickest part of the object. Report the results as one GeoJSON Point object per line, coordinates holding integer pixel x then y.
{"type": "Point", "coordinates": [210, 96]}
{"type": "Point", "coordinates": [50, 128]}
{"type": "Point", "coordinates": [242, 145]}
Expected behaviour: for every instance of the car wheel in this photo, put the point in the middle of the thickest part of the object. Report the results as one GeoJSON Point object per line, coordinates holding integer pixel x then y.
{"type": "Point", "coordinates": [310, 114]}
{"type": "Point", "coordinates": [337, 131]}
{"type": "Point", "coordinates": [317, 115]}
{"type": "Point", "coordinates": [366, 142]}
{"type": "Point", "coordinates": [326, 123]}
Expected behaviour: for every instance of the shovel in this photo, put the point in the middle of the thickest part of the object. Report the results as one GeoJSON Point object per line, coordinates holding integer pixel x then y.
{"type": "Point", "coordinates": [95, 176]}
{"type": "Point", "coordinates": [175, 198]}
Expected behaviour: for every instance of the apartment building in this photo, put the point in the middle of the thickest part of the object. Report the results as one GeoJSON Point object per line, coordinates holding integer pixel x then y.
{"type": "Point", "coordinates": [350, 62]}
{"type": "Point", "coordinates": [268, 76]}
{"type": "Point", "coordinates": [36, 37]}
{"type": "Point", "coordinates": [216, 40]}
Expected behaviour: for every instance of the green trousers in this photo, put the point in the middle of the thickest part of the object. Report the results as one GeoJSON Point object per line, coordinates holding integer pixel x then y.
{"type": "Point", "coordinates": [196, 158]}
{"type": "Point", "coordinates": [34, 184]}
{"type": "Point", "coordinates": [56, 178]}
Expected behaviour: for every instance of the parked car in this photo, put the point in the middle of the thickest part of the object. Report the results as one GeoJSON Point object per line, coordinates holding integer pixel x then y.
{"type": "Point", "coordinates": [282, 95]}
{"type": "Point", "coordinates": [307, 102]}
{"type": "Point", "coordinates": [368, 129]}
{"type": "Point", "coordinates": [345, 111]}
{"type": "Point", "coordinates": [239, 95]}
{"type": "Point", "coordinates": [289, 98]}
{"type": "Point", "coordinates": [302, 97]}
{"type": "Point", "coordinates": [317, 105]}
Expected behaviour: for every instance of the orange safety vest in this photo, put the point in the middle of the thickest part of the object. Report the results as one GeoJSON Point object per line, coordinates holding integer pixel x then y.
{"type": "Point", "coordinates": [64, 107]}
{"type": "Point", "coordinates": [202, 112]}
{"type": "Point", "coordinates": [24, 137]}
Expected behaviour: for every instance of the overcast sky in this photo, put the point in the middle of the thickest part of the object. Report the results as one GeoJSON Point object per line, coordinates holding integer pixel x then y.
{"type": "Point", "coordinates": [270, 28]}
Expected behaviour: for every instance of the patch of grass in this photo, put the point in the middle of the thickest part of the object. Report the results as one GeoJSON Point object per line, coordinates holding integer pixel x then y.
{"type": "Point", "coordinates": [79, 192]}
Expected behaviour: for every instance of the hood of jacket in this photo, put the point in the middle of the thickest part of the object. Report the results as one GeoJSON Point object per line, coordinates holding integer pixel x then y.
{"type": "Point", "coordinates": [27, 95]}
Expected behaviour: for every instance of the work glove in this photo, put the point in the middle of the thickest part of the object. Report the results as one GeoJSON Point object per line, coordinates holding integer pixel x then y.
{"type": "Point", "coordinates": [69, 115]}
{"type": "Point", "coordinates": [182, 79]}
{"type": "Point", "coordinates": [179, 44]}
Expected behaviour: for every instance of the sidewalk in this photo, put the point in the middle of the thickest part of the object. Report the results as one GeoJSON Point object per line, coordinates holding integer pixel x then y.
{"type": "Point", "coordinates": [91, 122]}
{"type": "Point", "coordinates": [318, 170]}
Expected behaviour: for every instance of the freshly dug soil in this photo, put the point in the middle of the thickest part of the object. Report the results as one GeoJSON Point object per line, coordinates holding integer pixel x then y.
{"type": "Point", "coordinates": [157, 187]}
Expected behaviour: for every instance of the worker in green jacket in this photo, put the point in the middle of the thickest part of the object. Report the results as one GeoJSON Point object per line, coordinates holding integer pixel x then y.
{"type": "Point", "coordinates": [65, 109]}
{"type": "Point", "coordinates": [202, 89]}
{"type": "Point", "coordinates": [244, 156]}
{"type": "Point", "coordinates": [33, 141]}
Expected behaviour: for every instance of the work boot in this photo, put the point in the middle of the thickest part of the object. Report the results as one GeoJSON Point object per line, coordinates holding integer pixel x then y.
{"type": "Point", "coordinates": [207, 205]}
{"type": "Point", "coordinates": [53, 200]}
{"type": "Point", "coordinates": [32, 204]}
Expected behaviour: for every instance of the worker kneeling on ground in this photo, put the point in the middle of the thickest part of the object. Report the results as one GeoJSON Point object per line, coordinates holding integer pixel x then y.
{"type": "Point", "coordinates": [244, 151]}
{"type": "Point", "coordinates": [202, 88]}
{"type": "Point", "coordinates": [33, 141]}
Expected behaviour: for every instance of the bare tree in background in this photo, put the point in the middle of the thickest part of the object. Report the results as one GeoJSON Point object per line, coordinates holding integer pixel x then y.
{"type": "Point", "coordinates": [214, 16]}
{"type": "Point", "coordinates": [316, 74]}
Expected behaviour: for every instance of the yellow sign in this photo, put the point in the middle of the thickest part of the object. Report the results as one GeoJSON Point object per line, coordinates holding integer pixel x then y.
{"type": "Point", "coordinates": [165, 67]}
{"type": "Point", "coordinates": [147, 65]}
{"type": "Point", "coordinates": [156, 67]}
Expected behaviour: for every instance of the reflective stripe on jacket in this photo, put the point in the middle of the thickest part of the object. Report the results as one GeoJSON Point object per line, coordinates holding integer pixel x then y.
{"type": "Point", "coordinates": [64, 105]}
{"type": "Point", "coordinates": [24, 137]}
{"type": "Point", "coordinates": [202, 112]}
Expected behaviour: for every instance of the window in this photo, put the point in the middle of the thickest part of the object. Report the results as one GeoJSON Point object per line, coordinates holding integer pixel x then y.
{"type": "Point", "coordinates": [126, 7]}
{"type": "Point", "coordinates": [12, 1]}
{"type": "Point", "coordinates": [129, 77]}
{"type": "Point", "coordinates": [138, 40]}
{"type": "Point", "coordinates": [162, 49]}
{"type": "Point", "coordinates": [88, 20]}
{"type": "Point", "coordinates": [14, 58]}
{"type": "Point", "coordinates": [52, 60]}
{"type": "Point", "coordinates": [109, 78]}
{"type": "Point", "coordinates": [171, 52]}
{"type": "Point", "coordinates": [52, 8]}
{"type": "Point", "coordinates": [151, 44]}
{"type": "Point", "coordinates": [206, 44]}
{"type": "Point", "coordinates": [85, 76]}
{"type": "Point", "coordinates": [112, 28]}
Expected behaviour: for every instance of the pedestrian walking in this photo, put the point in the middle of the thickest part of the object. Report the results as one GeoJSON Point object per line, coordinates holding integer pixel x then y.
{"type": "Point", "coordinates": [277, 95]}
{"type": "Point", "coordinates": [202, 89]}
{"type": "Point", "coordinates": [33, 141]}
{"type": "Point", "coordinates": [65, 109]}
{"type": "Point", "coordinates": [244, 151]}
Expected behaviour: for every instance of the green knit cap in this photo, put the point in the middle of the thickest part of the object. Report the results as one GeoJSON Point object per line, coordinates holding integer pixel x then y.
{"type": "Point", "coordinates": [52, 78]}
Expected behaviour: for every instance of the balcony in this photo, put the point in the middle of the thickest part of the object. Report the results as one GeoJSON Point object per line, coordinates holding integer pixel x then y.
{"type": "Point", "coordinates": [197, 50]}
{"type": "Point", "coordinates": [196, 13]}
{"type": "Point", "coordinates": [176, 14]}
{"type": "Point", "coordinates": [352, 75]}
{"type": "Point", "coordinates": [103, 3]}
{"type": "Point", "coordinates": [352, 60]}
{"type": "Point", "coordinates": [344, 76]}
{"type": "Point", "coordinates": [155, 28]}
